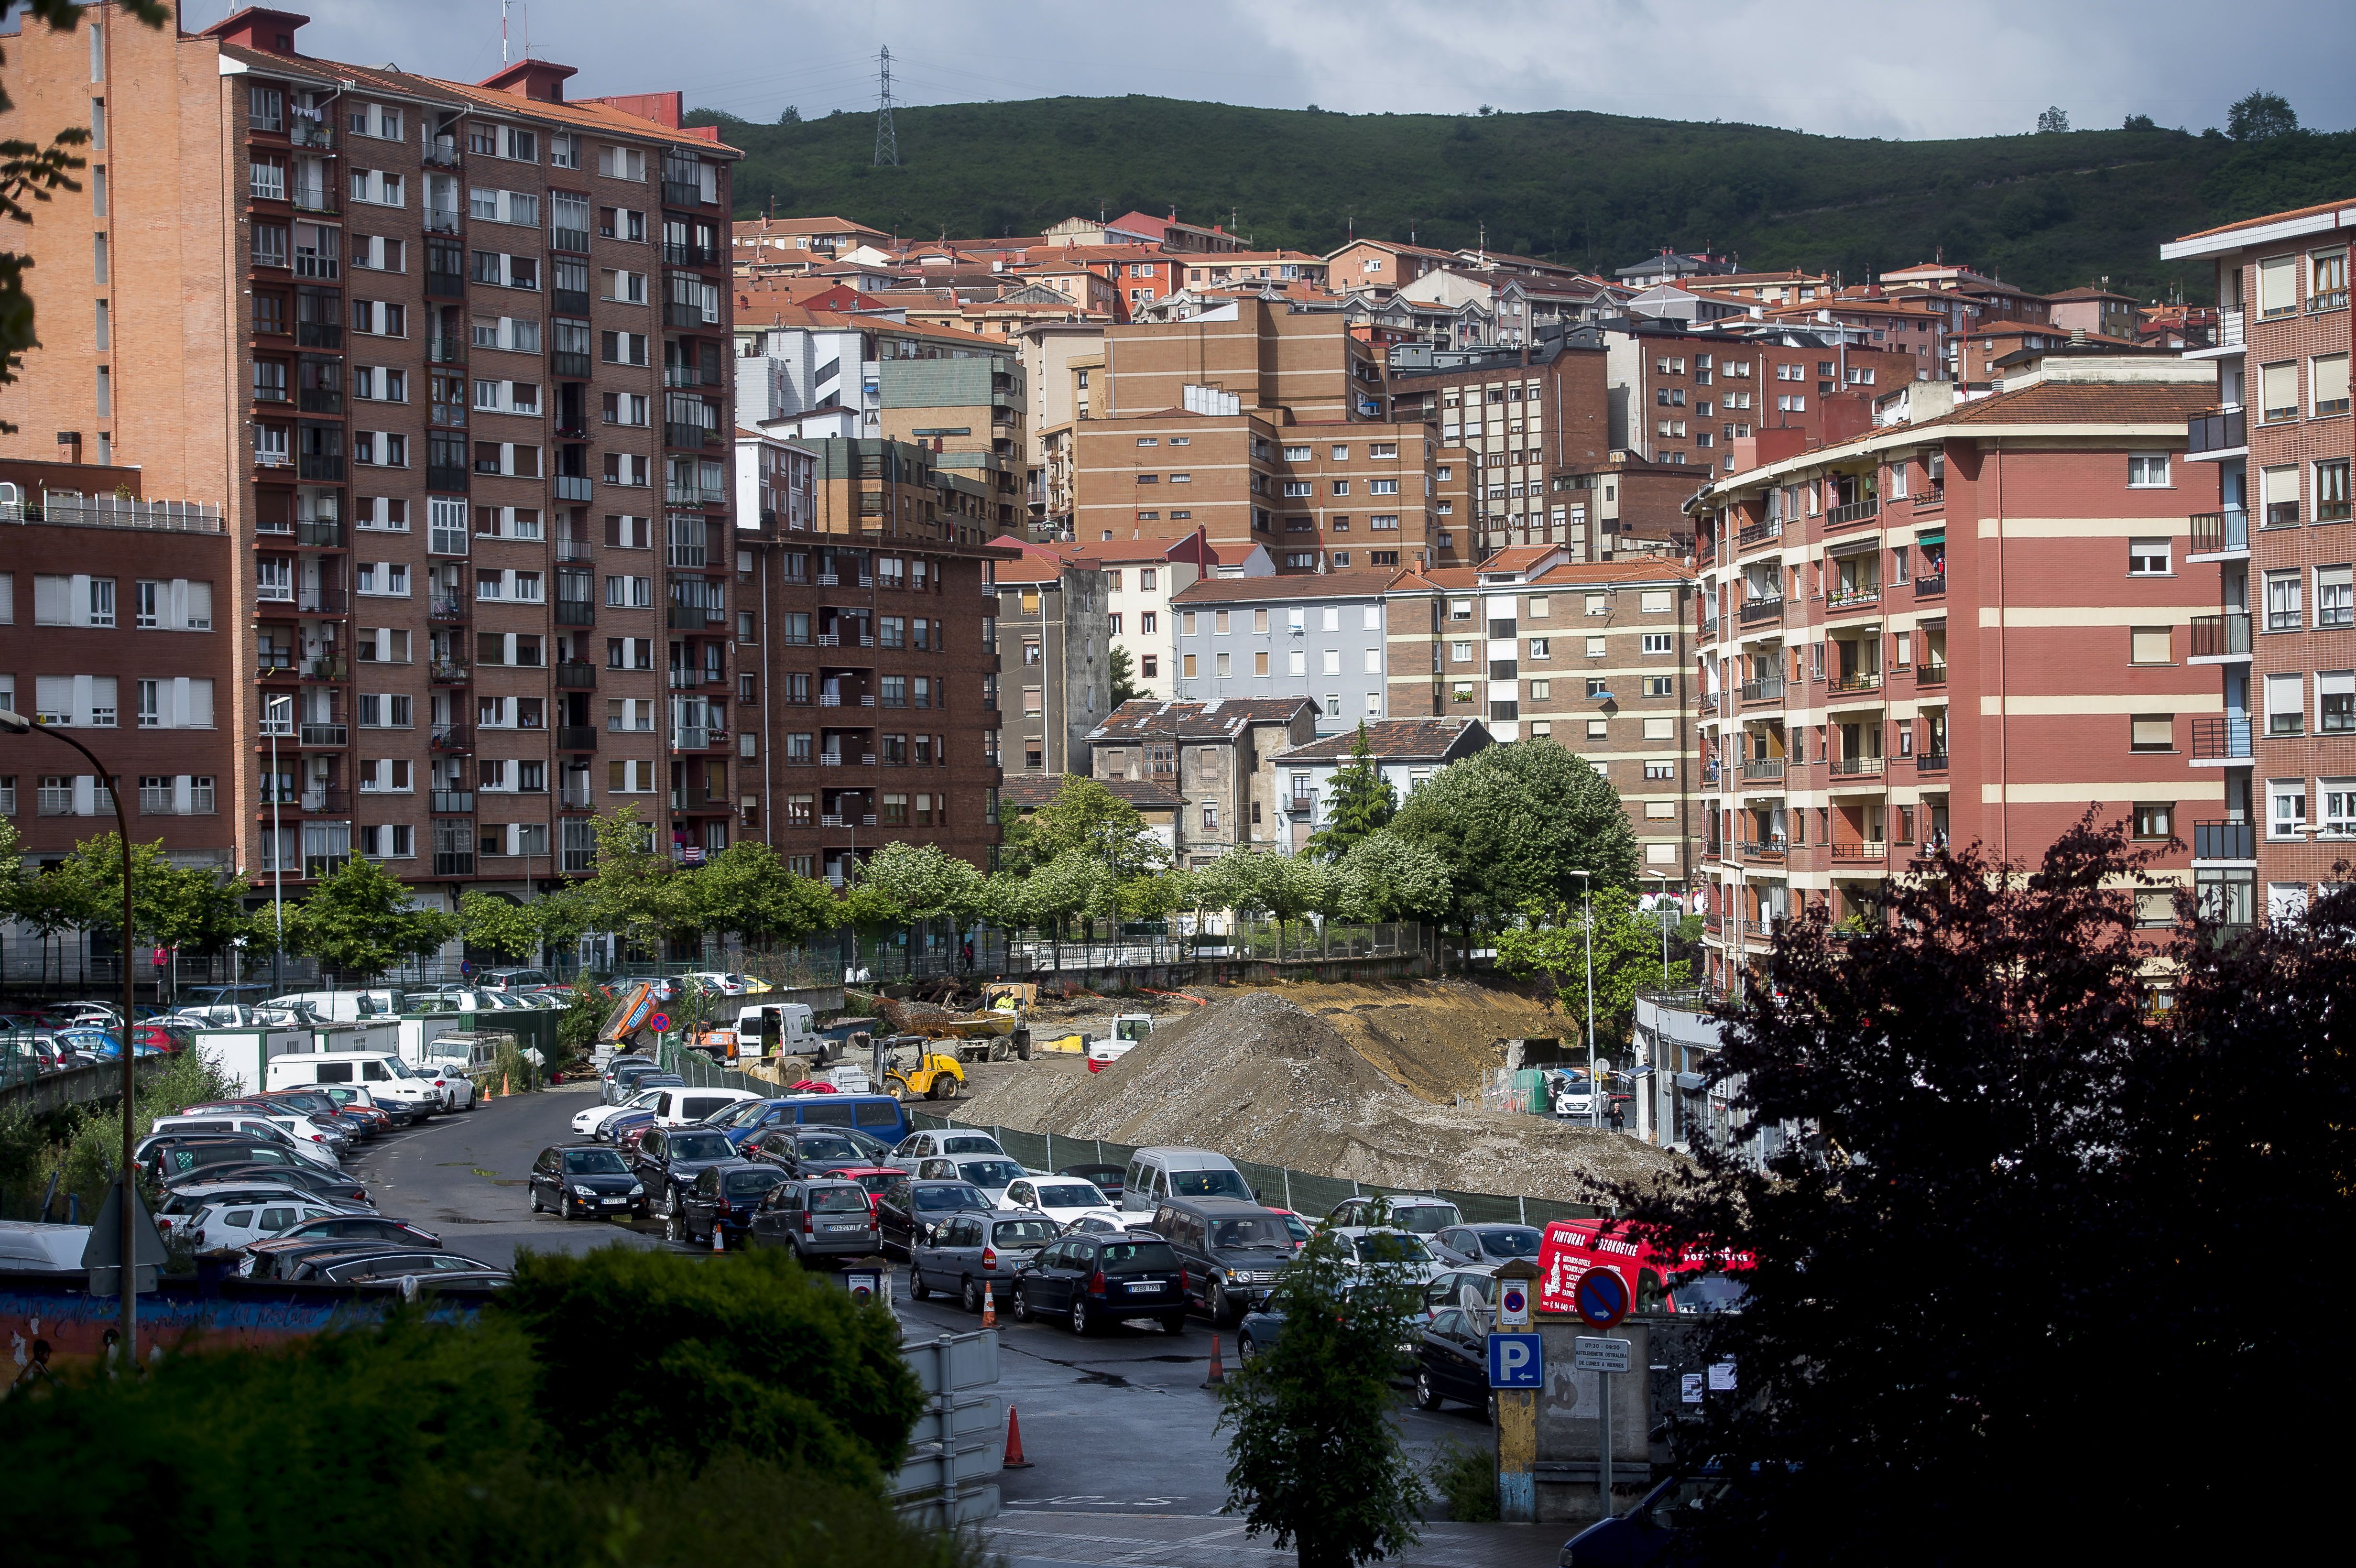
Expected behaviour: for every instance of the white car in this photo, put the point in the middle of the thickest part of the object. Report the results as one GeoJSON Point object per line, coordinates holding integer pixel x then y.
{"type": "Point", "coordinates": [586, 1124]}
{"type": "Point", "coordinates": [992, 1174]}
{"type": "Point", "coordinates": [1381, 1244]}
{"type": "Point", "coordinates": [714, 980]}
{"type": "Point", "coordinates": [1066, 1199]}
{"type": "Point", "coordinates": [242, 1224]}
{"type": "Point", "coordinates": [919, 1147]}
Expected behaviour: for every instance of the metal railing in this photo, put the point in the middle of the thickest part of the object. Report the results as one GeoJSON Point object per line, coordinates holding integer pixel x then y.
{"type": "Point", "coordinates": [1929, 584]}
{"type": "Point", "coordinates": [576, 737]}
{"type": "Point", "coordinates": [1850, 598]}
{"type": "Point", "coordinates": [2221, 432]}
{"type": "Point", "coordinates": [452, 802]}
{"type": "Point", "coordinates": [1758, 533]}
{"type": "Point", "coordinates": [1850, 684]}
{"type": "Point", "coordinates": [576, 673]}
{"type": "Point", "coordinates": [1931, 675]}
{"type": "Point", "coordinates": [2221, 740]}
{"type": "Point", "coordinates": [1762, 770]}
{"type": "Point", "coordinates": [1859, 850]}
{"type": "Point", "coordinates": [2224, 841]}
{"type": "Point", "coordinates": [1930, 763]}
{"type": "Point", "coordinates": [2225, 635]}
{"type": "Point", "coordinates": [115, 512]}
{"type": "Point", "coordinates": [2216, 533]}
{"type": "Point", "coordinates": [451, 738]}
{"type": "Point", "coordinates": [1768, 690]}
{"type": "Point", "coordinates": [1757, 610]}
{"type": "Point", "coordinates": [1855, 767]}
{"type": "Point", "coordinates": [324, 735]}
{"type": "Point", "coordinates": [1854, 512]}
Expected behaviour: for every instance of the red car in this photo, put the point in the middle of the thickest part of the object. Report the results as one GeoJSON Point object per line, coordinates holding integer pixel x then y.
{"type": "Point", "coordinates": [874, 1177]}
{"type": "Point", "coordinates": [162, 1037]}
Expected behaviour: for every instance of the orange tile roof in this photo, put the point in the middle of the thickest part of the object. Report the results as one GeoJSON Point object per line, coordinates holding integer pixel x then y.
{"type": "Point", "coordinates": [1572, 574]}
{"type": "Point", "coordinates": [2315, 210]}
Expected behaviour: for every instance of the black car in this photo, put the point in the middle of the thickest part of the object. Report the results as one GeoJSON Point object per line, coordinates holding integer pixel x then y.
{"type": "Point", "coordinates": [1108, 1177]}
{"type": "Point", "coordinates": [1232, 1251]}
{"type": "Point", "coordinates": [175, 1155]}
{"type": "Point", "coordinates": [1452, 1362]}
{"type": "Point", "coordinates": [670, 1159]}
{"type": "Point", "coordinates": [823, 1217]}
{"type": "Point", "coordinates": [438, 1269]}
{"type": "Point", "coordinates": [400, 1113]}
{"type": "Point", "coordinates": [333, 1185]}
{"type": "Point", "coordinates": [571, 1181]}
{"type": "Point", "coordinates": [805, 1151]}
{"type": "Point", "coordinates": [906, 1206]}
{"type": "Point", "coordinates": [1090, 1280]}
{"type": "Point", "coordinates": [372, 1227]}
{"type": "Point", "coordinates": [277, 1257]}
{"type": "Point", "coordinates": [1485, 1243]}
{"type": "Point", "coordinates": [722, 1197]}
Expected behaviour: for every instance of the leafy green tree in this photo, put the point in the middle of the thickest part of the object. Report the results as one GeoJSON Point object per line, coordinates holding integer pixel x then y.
{"type": "Point", "coordinates": [1551, 940]}
{"type": "Point", "coordinates": [746, 890]}
{"type": "Point", "coordinates": [501, 927]}
{"type": "Point", "coordinates": [1385, 878]}
{"type": "Point", "coordinates": [1124, 677]}
{"type": "Point", "coordinates": [2051, 121]}
{"type": "Point", "coordinates": [1314, 1460]}
{"type": "Point", "coordinates": [1513, 822]}
{"type": "Point", "coordinates": [1084, 815]}
{"type": "Point", "coordinates": [2138, 122]}
{"type": "Point", "coordinates": [1359, 802]}
{"type": "Point", "coordinates": [923, 881]}
{"type": "Point", "coordinates": [632, 891]}
{"type": "Point", "coordinates": [1075, 885]}
{"type": "Point", "coordinates": [2259, 116]}
{"type": "Point", "coordinates": [360, 921]}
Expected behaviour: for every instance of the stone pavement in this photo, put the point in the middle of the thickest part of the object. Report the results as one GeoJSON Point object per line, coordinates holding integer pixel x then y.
{"type": "Point", "coordinates": [1042, 1536]}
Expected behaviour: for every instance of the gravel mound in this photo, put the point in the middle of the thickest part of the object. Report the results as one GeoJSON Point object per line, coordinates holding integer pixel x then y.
{"type": "Point", "coordinates": [1257, 1078]}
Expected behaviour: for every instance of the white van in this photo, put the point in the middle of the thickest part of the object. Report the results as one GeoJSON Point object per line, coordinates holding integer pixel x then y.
{"type": "Point", "coordinates": [792, 1022]}
{"type": "Point", "coordinates": [384, 1074]}
{"type": "Point", "coordinates": [343, 1007]}
{"type": "Point", "coordinates": [680, 1106]}
{"type": "Point", "coordinates": [1170, 1171]}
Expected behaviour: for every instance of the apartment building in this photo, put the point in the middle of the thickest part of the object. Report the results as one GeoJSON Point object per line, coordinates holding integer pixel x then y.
{"type": "Point", "coordinates": [1971, 627]}
{"type": "Point", "coordinates": [2284, 636]}
{"type": "Point", "coordinates": [1057, 664]}
{"type": "Point", "coordinates": [2095, 310]}
{"type": "Point", "coordinates": [133, 654]}
{"type": "Point", "coordinates": [1678, 395]}
{"type": "Point", "coordinates": [1382, 265]}
{"type": "Point", "coordinates": [793, 245]}
{"type": "Point", "coordinates": [1059, 358]}
{"type": "Point", "coordinates": [1142, 577]}
{"type": "Point", "coordinates": [1405, 752]}
{"type": "Point", "coordinates": [1321, 639]}
{"type": "Point", "coordinates": [449, 354]}
{"type": "Point", "coordinates": [1211, 755]}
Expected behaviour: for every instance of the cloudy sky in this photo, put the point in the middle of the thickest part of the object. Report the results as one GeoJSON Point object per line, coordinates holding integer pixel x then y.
{"type": "Point", "coordinates": [1970, 68]}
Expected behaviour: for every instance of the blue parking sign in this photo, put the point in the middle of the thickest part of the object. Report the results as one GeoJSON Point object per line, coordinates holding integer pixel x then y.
{"type": "Point", "coordinates": [1516, 1361]}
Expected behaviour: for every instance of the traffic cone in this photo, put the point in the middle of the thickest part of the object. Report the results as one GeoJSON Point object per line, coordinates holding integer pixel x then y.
{"type": "Point", "coordinates": [1014, 1459]}
{"type": "Point", "coordinates": [989, 1307]}
{"type": "Point", "coordinates": [717, 1245]}
{"type": "Point", "coordinates": [1219, 1369]}
{"type": "Point", "coordinates": [505, 1088]}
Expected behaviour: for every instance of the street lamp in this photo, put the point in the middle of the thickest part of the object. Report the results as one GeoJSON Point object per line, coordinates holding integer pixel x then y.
{"type": "Point", "coordinates": [277, 851]}
{"type": "Point", "coordinates": [1594, 1083]}
{"type": "Point", "coordinates": [128, 1279]}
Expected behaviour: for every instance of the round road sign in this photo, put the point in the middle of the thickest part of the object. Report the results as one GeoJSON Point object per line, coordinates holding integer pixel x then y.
{"type": "Point", "coordinates": [1513, 1304]}
{"type": "Point", "coordinates": [466, 966]}
{"type": "Point", "coordinates": [661, 1024]}
{"type": "Point", "coordinates": [1601, 1299]}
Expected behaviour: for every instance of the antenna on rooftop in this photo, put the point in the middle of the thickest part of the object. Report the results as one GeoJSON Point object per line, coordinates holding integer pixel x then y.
{"type": "Point", "coordinates": [503, 33]}
{"type": "Point", "coordinates": [887, 139]}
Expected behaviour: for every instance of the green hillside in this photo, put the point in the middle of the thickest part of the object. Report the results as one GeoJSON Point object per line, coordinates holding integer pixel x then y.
{"type": "Point", "coordinates": [1599, 190]}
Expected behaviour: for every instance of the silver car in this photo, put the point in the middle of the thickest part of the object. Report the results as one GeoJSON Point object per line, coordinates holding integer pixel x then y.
{"type": "Point", "coordinates": [968, 1252]}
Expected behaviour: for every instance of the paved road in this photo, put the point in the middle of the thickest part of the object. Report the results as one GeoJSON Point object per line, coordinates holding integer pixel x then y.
{"type": "Point", "coordinates": [1127, 1464]}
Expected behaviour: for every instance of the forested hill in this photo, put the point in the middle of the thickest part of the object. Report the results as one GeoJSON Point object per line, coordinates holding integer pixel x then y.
{"type": "Point", "coordinates": [2048, 211]}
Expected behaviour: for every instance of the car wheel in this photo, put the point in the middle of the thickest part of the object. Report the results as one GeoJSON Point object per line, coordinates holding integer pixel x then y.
{"type": "Point", "coordinates": [1247, 1347]}
{"type": "Point", "coordinates": [1019, 1306]}
{"type": "Point", "coordinates": [969, 1298]}
{"type": "Point", "coordinates": [1222, 1314]}
{"type": "Point", "coordinates": [536, 1209]}
{"type": "Point", "coordinates": [1082, 1323]}
{"type": "Point", "coordinates": [1426, 1396]}
{"type": "Point", "coordinates": [1174, 1323]}
{"type": "Point", "coordinates": [917, 1288]}
{"type": "Point", "coordinates": [674, 1229]}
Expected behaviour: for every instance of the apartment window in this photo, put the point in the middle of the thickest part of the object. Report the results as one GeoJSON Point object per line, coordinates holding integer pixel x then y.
{"type": "Point", "coordinates": [2327, 383]}
{"type": "Point", "coordinates": [2331, 491]}
{"type": "Point", "coordinates": [2155, 819]}
{"type": "Point", "coordinates": [1595, 646]}
{"type": "Point", "coordinates": [2152, 733]}
{"type": "Point", "coordinates": [2286, 807]}
{"type": "Point", "coordinates": [2151, 645]}
{"type": "Point", "coordinates": [2282, 591]}
{"type": "Point", "coordinates": [2337, 801]}
{"type": "Point", "coordinates": [2148, 558]}
{"type": "Point", "coordinates": [2147, 471]}
{"type": "Point", "coordinates": [1660, 686]}
{"type": "Point", "coordinates": [2277, 286]}
{"type": "Point", "coordinates": [2333, 604]}
{"type": "Point", "coordinates": [2278, 391]}
{"type": "Point", "coordinates": [2286, 703]}
{"type": "Point", "coordinates": [1657, 642]}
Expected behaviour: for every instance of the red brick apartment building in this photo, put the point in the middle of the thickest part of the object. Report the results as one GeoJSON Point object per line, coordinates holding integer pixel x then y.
{"type": "Point", "coordinates": [2284, 635]}
{"type": "Point", "coordinates": [1969, 627]}
{"type": "Point", "coordinates": [1682, 396]}
{"type": "Point", "coordinates": [113, 613]}
{"type": "Point", "coordinates": [453, 361]}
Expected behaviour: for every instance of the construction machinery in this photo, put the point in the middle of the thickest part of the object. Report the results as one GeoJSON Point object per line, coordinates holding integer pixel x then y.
{"type": "Point", "coordinates": [935, 1074]}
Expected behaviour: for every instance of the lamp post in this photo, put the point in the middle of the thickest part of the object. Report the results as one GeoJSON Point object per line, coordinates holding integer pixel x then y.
{"type": "Point", "coordinates": [128, 1279]}
{"type": "Point", "coordinates": [1594, 1083]}
{"type": "Point", "coordinates": [277, 853]}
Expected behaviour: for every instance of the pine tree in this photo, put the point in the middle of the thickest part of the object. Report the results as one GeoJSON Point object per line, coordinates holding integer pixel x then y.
{"type": "Point", "coordinates": [1360, 801]}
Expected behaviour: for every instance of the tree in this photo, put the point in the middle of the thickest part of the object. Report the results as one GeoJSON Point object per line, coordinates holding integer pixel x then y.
{"type": "Point", "coordinates": [1315, 1460]}
{"type": "Point", "coordinates": [747, 891]}
{"type": "Point", "coordinates": [1552, 940]}
{"type": "Point", "coordinates": [1359, 801]}
{"type": "Point", "coordinates": [1386, 876]}
{"type": "Point", "coordinates": [631, 891]}
{"type": "Point", "coordinates": [2138, 122]}
{"type": "Point", "coordinates": [1981, 1091]}
{"type": "Point", "coordinates": [1075, 884]}
{"type": "Point", "coordinates": [1512, 823]}
{"type": "Point", "coordinates": [499, 926]}
{"type": "Point", "coordinates": [1084, 815]}
{"type": "Point", "coordinates": [360, 921]}
{"type": "Point", "coordinates": [2052, 120]}
{"type": "Point", "coordinates": [790, 115]}
{"type": "Point", "coordinates": [1124, 679]}
{"type": "Point", "coordinates": [922, 882]}
{"type": "Point", "coordinates": [2259, 116]}
{"type": "Point", "coordinates": [30, 169]}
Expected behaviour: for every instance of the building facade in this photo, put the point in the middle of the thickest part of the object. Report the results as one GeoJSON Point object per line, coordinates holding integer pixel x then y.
{"type": "Point", "coordinates": [1405, 752]}
{"type": "Point", "coordinates": [1055, 659]}
{"type": "Point", "coordinates": [1323, 640]}
{"type": "Point", "coordinates": [1212, 756]}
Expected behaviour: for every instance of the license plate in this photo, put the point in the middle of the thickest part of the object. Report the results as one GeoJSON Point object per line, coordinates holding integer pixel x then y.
{"type": "Point", "coordinates": [1136, 1284]}
{"type": "Point", "coordinates": [836, 1228]}
{"type": "Point", "coordinates": [609, 1203]}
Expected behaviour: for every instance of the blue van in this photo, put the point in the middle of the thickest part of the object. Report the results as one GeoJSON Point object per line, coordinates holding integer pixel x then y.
{"type": "Point", "coordinates": [877, 1116]}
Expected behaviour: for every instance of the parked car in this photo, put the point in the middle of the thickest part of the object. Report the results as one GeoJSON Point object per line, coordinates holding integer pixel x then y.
{"type": "Point", "coordinates": [179, 1207]}
{"type": "Point", "coordinates": [874, 1178]}
{"type": "Point", "coordinates": [681, 1104]}
{"type": "Point", "coordinates": [670, 1158]}
{"type": "Point", "coordinates": [283, 1257]}
{"type": "Point", "coordinates": [1098, 1225]}
{"type": "Point", "coordinates": [372, 1227]}
{"type": "Point", "coordinates": [1473, 1292]}
{"type": "Point", "coordinates": [439, 1270]}
{"type": "Point", "coordinates": [1089, 1280]}
{"type": "Point", "coordinates": [723, 1198]}
{"type": "Point", "coordinates": [906, 1206]}
{"type": "Point", "coordinates": [167, 1035]}
{"type": "Point", "coordinates": [820, 1217]}
{"type": "Point", "coordinates": [614, 1064]}
{"type": "Point", "coordinates": [1655, 1532]}
{"type": "Point", "coordinates": [1106, 1179]}
{"type": "Point", "coordinates": [993, 1174]}
{"type": "Point", "coordinates": [333, 1185]}
{"type": "Point", "coordinates": [239, 1225]}
{"type": "Point", "coordinates": [968, 1253]}
{"type": "Point", "coordinates": [625, 1130]}
{"type": "Point", "coordinates": [1452, 1362]}
{"type": "Point", "coordinates": [1381, 1244]}
{"type": "Point", "coordinates": [311, 1142]}
{"type": "Point", "coordinates": [1232, 1251]}
{"type": "Point", "coordinates": [593, 1122]}
{"type": "Point", "coordinates": [1487, 1244]}
{"type": "Point", "coordinates": [177, 1156]}
{"type": "Point", "coordinates": [574, 1181]}
{"type": "Point", "coordinates": [932, 1144]}
{"type": "Point", "coordinates": [805, 1151]}
{"type": "Point", "coordinates": [717, 983]}
{"type": "Point", "coordinates": [1258, 1331]}
{"type": "Point", "coordinates": [1175, 1172]}
{"type": "Point", "coordinates": [1405, 1211]}
{"type": "Point", "coordinates": [516, 979]}
{"type": "Point", "coordinates": [623, 1083]}
{"type": "Point", "coordinates": [1063, 1200]}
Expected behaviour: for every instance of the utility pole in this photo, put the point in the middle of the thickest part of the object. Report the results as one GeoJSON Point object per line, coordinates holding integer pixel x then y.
{"type": "Point", "coordinates": [1594, 1083]}
{"type": "Point", "coordinates": [887, 139]}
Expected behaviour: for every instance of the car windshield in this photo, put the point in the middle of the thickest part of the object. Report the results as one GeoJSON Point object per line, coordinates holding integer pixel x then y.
{"type": "Point", "coordinates": [592, 1162]}
{"type": "Point", "coordinates": [1137, 1256]}
{"type": "Point", "coordinates": [1521, 1242]}
{"type": "Point", "coordinates": [741, 1184]}
{"type": "Point", "coordinates": [1255, 1232]}
{"type": "Point", "coordinates": [1022, 1233]}
{"type": "Point", "coordinates": [1073, 1196]}
{"type": "Point", "coordinates": [1208, 1184]}
{"type": "Point", "coordinates": [825, 1145]}
{"type": "Point", "coordinates": [701, 1146]}
{"type": "Point", "coordinates": [1296, 1229]}
{"type": "Point", "coordinates": [944, 1197]}
{"type": "Point", "coordinates": [970, 1143]}
{"type": "Point", "coordinates": [1390, 1247]}
{"type": "Point", "coordinates": [838, 1200]}
{"type": "Point", "coordinates": [989, 1172]}
{"type": "Point", "coordinates": [1709, 1293]}
{"type": "Point", "coordinates": [1427, 1219]}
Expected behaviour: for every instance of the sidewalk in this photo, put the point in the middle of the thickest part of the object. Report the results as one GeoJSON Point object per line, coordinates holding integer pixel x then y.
{"type": "Point", "coordinates": [1039, 1538]}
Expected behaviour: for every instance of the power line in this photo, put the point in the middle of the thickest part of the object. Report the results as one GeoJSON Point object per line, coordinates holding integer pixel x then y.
{"type": "Point", "coordinates": [887, 139]}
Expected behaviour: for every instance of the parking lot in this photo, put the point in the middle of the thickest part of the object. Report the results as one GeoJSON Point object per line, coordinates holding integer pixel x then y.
{"type": "Point", "coordinates": [1126, 1465]}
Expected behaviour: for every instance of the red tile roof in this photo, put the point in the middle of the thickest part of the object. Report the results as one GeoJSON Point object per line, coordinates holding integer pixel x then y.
{"type": "Point", "coordinates": [2315, 210]}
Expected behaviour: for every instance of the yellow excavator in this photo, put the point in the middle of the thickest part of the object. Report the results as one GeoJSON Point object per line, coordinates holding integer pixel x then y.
{"type": "Point", "coordinates": [937, 1075]}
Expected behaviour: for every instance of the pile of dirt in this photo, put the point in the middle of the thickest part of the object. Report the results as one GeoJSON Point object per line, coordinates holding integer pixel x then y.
{"type": "Point", "coordinates": [1258, 1078]}
{"type": "Point", "coordinates": [1435, 1039]}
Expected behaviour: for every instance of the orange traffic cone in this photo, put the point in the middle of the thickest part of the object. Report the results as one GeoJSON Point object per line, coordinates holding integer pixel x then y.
{"type": "Point", "coordinates": [505, 1088]}
{"type": "Point", "coordinates": [989, 1307]}
{"type": "Point", "coordinates": [717, 1245]}
{"type": "Point", "coordinates": [1219, 1369]}
{"type": "Point", "coordinates": [1014, 1459]}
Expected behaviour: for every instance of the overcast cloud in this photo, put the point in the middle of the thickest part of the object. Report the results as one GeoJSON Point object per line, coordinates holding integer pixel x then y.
{"type": "Point", "coordinates": [1971, 67]}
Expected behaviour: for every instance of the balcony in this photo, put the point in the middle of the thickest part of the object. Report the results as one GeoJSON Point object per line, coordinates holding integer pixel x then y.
{"type": "Point", "coordinates": [576, 737]}
{"type": "Point", "coordinates": [679, 432]}
{"type": "Point", "coordinates": [575, 486]}
{"type": "Point", "coordinates": [454, 802]}
{"type": "Point", "coordinates": [323, 735]}
{"type": "Point", "coordinates": [451, 738]}
{"type": "Point", "coordinates": [2224, 841]}
{"type": "Point", "coordinates": [319, 334]}
{"type": "Point", "coordinates": [441, 154]}
{"type": "Point", "coordinates": [577, 613]}
{"type": "Point", "coordinates": [1930, 763]}
{"type": "Point", "coordinates": [446, 611]}
{"type": "Point", "coordinates": [289, 602]}
{"type": "Point", "coordinates": [574, 675]}
{"type": "Point", "coordinates": [2214, 435]}
{"type": "Point", "coordinates": [1768, 690]}
{"type": "Point", "coordinates": [321, 466]}
{"type": "Point", "coordinates": [446, 351]}
{"type": "Point", "coordinates": [1930, 675]}
{"type": "Point", "coordinates": [442, 220]}
{"type": "Point", "coordinates": [320, 400]}
{"type": "Point", "coordinates": [680, 192]}
{"type": "Point", "coordinates": [2221, 740]}
{"type": "Point", "coordinates": [326, 803]}
{"type": "Point", "coordinates": [1770, 852]}
{"type": "Point", "coordinates": [569, 366]}
{"type": "Point", "coordinates": [691, 255]}
{"type": "Point", "coordinates": [691, 617]}
{"type": "Point", "coordinates": [445, 285]}
{"type": "Point", "coordinates": [570, 302]}
{"type": "Point", "coordinates": [2223, 637]}
{"type": "Point", "coordinates": [1755, 611]}
{"type": "Point", "coordinates": [1931, 585]}
{"type": "Point", "coordinates": [1860, 851]}
{"type": "Point", "coordinates": [328, 668]}
{"type": "Point", "coordinates": [2216, 534]}
{"type": "Point", "coordinates": [454, 863]}
{"type": "Point", "coordinates": [689, 737]}
{"type": "Point", "coordinates": [694, 496]}
{"type": "Point", "coordinates": [319, 534]}
{"type": "Point", "coordinates": [1936, 496]}
{"type": "Point", "coordinates": [1758, 533]}
{"type": "Point", "coordinates": [1855, 767]}
{"type": "Point", "coordinates": [570, 798]}
{"type": "Point", "coordinates": [1854, 512]}
{"type": "Point", "coordinates": [681, 316]}
{"type": "Point", "coordinates": [275, 664]}
{"type": "Point", "coordinates": [1853, 598]}
{"type": "Point", "coordinates": [317, 867]}
{"type": "Point", "coordinates": [1855, 684]}
{"type": "Point", "coordinates": [1762, 770]}
{"type": "Point", "coordinates": [450, 672]}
